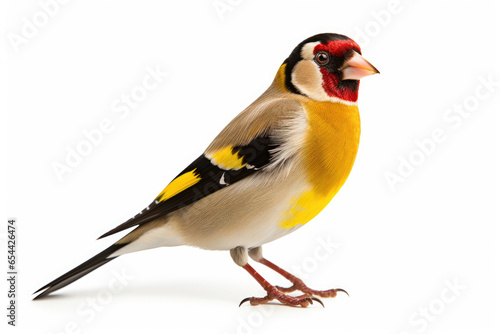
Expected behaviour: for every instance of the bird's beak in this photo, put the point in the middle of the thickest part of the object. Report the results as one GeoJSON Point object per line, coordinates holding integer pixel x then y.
{"type": "Point", "coordinates": [357, 67]}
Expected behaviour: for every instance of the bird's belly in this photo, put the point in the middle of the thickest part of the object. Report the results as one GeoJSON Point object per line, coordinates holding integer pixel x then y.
{"type": "Point", "coordinates": [260, 216]}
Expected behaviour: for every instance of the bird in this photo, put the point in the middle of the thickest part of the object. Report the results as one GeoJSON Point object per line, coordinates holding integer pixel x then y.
{"type": "Point", "coordinates": [271, 170]}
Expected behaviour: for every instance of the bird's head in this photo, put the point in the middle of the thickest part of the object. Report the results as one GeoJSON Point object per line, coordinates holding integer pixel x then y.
{"type": "Point", "coordinates": [325, 67]}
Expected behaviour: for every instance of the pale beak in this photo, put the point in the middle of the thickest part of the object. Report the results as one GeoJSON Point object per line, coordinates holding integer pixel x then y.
{"type": "Point", "coordinates": [357, 67]}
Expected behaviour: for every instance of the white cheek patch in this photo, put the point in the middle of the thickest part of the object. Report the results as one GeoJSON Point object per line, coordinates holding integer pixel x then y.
{"type": "Point", "coordinates": [307, 51]}
{"type": "Point", "coordinates": [308, 79]}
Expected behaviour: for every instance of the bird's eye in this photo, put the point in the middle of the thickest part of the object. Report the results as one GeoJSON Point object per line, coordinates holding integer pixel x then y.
{"type": "Point", "coordinates": [322, 58]}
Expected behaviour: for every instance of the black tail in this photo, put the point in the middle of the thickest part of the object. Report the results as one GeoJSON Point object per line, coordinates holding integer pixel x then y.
{"type": "Point", "coordinates": [80, 271]}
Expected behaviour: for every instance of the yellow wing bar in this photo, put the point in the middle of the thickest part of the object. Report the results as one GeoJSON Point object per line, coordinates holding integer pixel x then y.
{"type": "Point", "coordinates": [179, 184]}
{"type": "Point", "coordinates": [226, 159]}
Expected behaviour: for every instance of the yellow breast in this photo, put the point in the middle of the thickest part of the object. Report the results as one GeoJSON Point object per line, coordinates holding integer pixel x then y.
{"type": "Point", "coordinates": [332, 142]}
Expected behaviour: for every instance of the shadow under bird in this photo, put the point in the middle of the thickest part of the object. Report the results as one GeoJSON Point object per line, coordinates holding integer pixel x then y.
{"type": "Point", "coordinates": [272, 169]}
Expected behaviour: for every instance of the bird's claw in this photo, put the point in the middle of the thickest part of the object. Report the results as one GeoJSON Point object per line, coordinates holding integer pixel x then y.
{"type": "Point", "coordinates": [244, 301]}
{"type": "Point", "coordinates": [302, 301]}
{"type": "Point", "coordinates": [342, 290]}
{"type": "Point", "coordinates": [317, 300]}
{"type": "Point", "coordinates": [308, 291]}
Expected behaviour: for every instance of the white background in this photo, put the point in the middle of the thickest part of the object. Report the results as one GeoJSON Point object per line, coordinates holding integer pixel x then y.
{"type": "Point", "coordinates": [395, 251]}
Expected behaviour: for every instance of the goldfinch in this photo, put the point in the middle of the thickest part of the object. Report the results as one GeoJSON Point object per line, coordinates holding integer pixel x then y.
{"type": "Point", "coordinates": [272, 169]}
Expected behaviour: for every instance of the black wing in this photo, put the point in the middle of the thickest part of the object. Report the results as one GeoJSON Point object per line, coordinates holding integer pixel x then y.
{"type": "Point", "coordinates": [204, 177]}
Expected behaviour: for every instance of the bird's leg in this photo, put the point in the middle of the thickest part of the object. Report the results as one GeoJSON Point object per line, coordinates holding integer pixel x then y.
{"type": "Point", "coordinates": [275, 293]}
{"type": "Point", "coordinates": [297, 283]}
{"type": "Point", "coordinates": [240, 257]}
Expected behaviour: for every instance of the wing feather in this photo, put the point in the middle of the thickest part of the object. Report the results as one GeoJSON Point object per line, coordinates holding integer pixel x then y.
{"type": "Point", "coordinates": [222, 165]}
